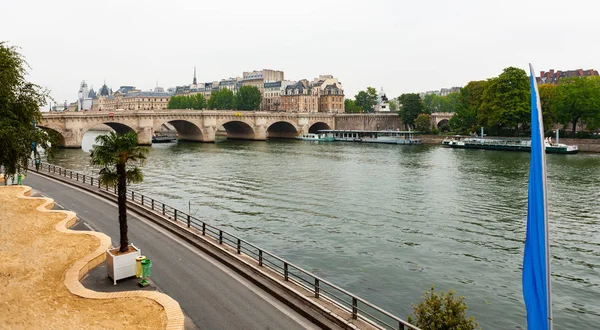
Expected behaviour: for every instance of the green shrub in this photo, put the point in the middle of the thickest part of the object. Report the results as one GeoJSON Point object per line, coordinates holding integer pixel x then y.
{"type": "Point", "coordinates": [442, 311]}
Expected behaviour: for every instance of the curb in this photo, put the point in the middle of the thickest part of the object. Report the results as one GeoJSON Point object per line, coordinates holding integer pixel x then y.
{"type": "Point", "coordinates": [174, 314]}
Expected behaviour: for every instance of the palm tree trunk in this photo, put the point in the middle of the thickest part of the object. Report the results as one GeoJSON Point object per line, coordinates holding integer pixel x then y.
{"type": "Point", "coordinates": [122, 201]}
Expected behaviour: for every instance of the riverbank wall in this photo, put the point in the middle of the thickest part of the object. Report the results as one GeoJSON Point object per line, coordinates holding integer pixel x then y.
{"type": "Point", "coordinates": [585, 145]}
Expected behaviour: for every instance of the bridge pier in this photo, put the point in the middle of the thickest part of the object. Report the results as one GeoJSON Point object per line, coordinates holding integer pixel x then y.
{"type": "Point", "coordinates": [144, 136]}
{"type": "Point", "coordinates": [72, 138]}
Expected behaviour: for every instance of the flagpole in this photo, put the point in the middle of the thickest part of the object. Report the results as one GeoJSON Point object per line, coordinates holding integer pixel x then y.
{"type": "Point", "coordinates": [545, 197]}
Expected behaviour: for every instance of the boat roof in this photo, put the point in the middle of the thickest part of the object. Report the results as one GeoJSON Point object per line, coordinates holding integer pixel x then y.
{"type": "Point", "coordinates": [364, 131]}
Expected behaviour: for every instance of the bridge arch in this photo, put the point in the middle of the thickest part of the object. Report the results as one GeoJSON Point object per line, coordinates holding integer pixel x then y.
{"type": "Point", "coordinates": [239, 130]}
{"type": "Point", "coordinates": [57, 133]}
{"type": "Point", "coordinates": [282, 129]}
{"type": "Point", "coordinates": [316, 127]}
{"type": "Point", "coordinates": [119, 128]}
{"type": "Point", "coordinates": [442, 123]}
{"type": "Point", "coordinates": [186, 130]}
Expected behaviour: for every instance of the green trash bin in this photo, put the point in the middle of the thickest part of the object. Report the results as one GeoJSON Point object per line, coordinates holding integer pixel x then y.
{"type": "Point", "coordinates": [146, 265]}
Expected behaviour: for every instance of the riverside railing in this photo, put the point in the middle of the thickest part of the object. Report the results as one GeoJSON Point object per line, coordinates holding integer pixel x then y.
{"type": "Point", "coordinates": [358, 307]}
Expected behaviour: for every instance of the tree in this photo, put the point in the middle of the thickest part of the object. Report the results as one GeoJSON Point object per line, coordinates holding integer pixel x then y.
{"type": "Point", "coordinates": [506, 100]}
{"type": "Point", "coordinates": [442, 311]}
{"type": "Point", "coordinates": [547, 93]}
{"type": "Point", "coordinates": [351, 107]}
{"type": "Point", "coordinates": [468, 102]}
{"type": "Point", "coordinates": [200, 101]}
{"type": "Point", "coordinates": [411, 106]}
{"type": "Point", "coordinates": [366, 100]}
{"type": "Point", "coordinates": [393, 105]}
{"type": "Point", "coordinates": [248, 98]}
{"type": "Point", "coordinates": [578, 99]}
{"type": "Point", "coordinates": [221, 100]}
{"type": "Point", "coordinates": [115, 153]}
{"type": "Point", "coordinates": [423, 122]}
{"type": "Point", "coordinates": [20, 103]}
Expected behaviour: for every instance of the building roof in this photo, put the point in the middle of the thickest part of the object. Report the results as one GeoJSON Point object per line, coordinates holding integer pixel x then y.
{"type": "Point", "coordinates": [148, 94]}
{"type": "Point", "coordinates": [92, 94]}
{"type": "Point", "coordinates": [104, 90]}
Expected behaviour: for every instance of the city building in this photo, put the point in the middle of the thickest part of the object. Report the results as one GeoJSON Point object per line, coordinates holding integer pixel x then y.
{"type": "Point", "coordinates": [382, 102]}
{"type": "Point", "coordinates": [441, 92]}
{"type": "Point", "coordinates": [300, 97]}
{"type": "Point", "coordinates": [330, 93]}
{"type": "Point", "coordinates": [130, 98]}
{"type": "Point", "coordinates": [552, 77]}
{"type": "Point", "coordinates": [259, 78]}
{"type": "Point", "coordinates": [85, 97]}
{"type": "Point", "coordinates": [272, 92]}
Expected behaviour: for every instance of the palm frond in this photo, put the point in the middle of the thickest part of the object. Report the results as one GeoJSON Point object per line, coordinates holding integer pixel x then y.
{"type": "Point", "coordinates": [108, 176]}
{"type": "Point", "coordinates": [134, 175]}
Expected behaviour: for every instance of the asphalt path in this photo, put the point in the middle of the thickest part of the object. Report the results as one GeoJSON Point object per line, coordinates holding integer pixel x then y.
{"type": "Point", "coordinates": [212, 295]}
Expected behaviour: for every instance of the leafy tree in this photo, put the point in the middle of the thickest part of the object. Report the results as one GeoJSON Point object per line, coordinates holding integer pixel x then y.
{"type": "Point", "coordinates": [423, 122]}
{"type": "Point", "coordinates": [351, 107]}
{"type": "Point", "coordinates": [547, 93]}
{"type": "Point", "coordinates": [442, 311]}
{"type": "Point", "coordinates": [366, 100]}
{"type": "Point", "coordinates": [469, 100]}
{"type": "Point", "coordinates": [411, 106]}
{"type": "Point", "coordinates": [430, 103]}
{"type": "Point", "coordinates": [200, 101]}
{"type": "Point", "coordinates": [221, 100]}
{"type": "Point", "coordinates": [506, 99]}
{"type": "Point", "coordinates": [436, 103]}
{"type": "Point", "coordinates": [578, 99]}
{"type": "Point", "coordinates": [115, 153]}
{"type": "Point", "coordinates": [174, 102]}
{"type": "Point", "coordinates": [393, 105]}
{"type": "Point", "coordinates": [20, 103]}
{"type": "Point", "coordinates": [248, 98]}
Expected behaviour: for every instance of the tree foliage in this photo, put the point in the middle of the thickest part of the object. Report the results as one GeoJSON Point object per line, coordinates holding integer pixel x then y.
{"type": "Point", "coordinates": [442, 311]}
{"type": "Point", "coordinates": [351, 107]}
{"type": "Point", "coordinates": [366, 100]}
{"type": "Point", "coordinates": [195, 101]}
{"type": "Point", "coordinates": [469, 100]}
{"type": "Point", "coordinates": [411, 106]}
{"type": "Point", "coordinates": [118, 156]}
{"type": "Point", "coordinates": [547, 93]}
{"type": "Point", "coordinates": [222, 100]}
{"type": "Point", "coordinates": [20, 103]}
{"type": "Point", "coordinates": [436, 103]}
{"type": "Point", "coordinates": [248, 98]}
{"type": "Point", "coordinates": [393, 105]}
{"type": "Point", "coordinates": [578, 99]}
{"type": "Point", "coordinates": [423, 122]}
{"type": "Point", "coordinates": [506, 100]}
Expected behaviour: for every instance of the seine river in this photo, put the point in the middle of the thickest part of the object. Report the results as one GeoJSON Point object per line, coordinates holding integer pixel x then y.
{"type": "Point", "coordinates": [386, 222]}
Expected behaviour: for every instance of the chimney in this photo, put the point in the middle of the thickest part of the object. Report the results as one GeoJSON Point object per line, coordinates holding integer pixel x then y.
{"type": "Point", "coordinates": [542, 73]}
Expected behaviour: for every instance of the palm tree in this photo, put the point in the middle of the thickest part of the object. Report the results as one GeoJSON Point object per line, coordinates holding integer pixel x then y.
{"type": "Point", "coordinates": [114, 152]}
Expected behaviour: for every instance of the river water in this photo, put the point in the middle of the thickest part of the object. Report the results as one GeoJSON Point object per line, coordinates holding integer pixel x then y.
{"type": "Point", "coordinates": [386, 222]}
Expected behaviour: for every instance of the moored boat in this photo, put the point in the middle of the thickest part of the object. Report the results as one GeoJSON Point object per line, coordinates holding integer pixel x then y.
{"type": "Point", "coordinates": [387, 136]}
{"type": "Point", "coordinates": [507, 144]}
{"type": "Point", "coordinates": [315, 137]}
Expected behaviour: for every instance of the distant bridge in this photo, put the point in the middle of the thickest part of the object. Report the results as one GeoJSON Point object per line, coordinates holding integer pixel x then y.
{"type": "Point", "coordinates": [440, 118]}
{"type": "Point", "coordinates": [202, 125]}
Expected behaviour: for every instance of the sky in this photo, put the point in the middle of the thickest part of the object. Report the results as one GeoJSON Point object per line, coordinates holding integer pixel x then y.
{"type": "Point", "coordinates": [402, 46]}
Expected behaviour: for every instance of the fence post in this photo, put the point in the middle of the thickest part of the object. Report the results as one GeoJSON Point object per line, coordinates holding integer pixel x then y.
{"type": "Point", "coordinates": [163, 209]}
{"type": "Point", "coordinates": [203, 228]}
{"type": "Point", "coordinates": [142, 200]}
{"type": "Point", "coordinates": [71, 174]}
{"type": "Point", "coordinates": [220, 237]}
{"type": "Point", "coordinates": [84, 178]}
{"type": "Point", "coordinates": [91, 181]}
{"type": "Point", "coordinates": [132, 195]}
{"type": "Point", "coordinates": [354, 308]}
{"type": "Point", "coordinates": [59, 171]}
{"type": "Point", "coordinates": [285, 271]}
{"type": "Point", "coordinates": [115, 189]}
{"type": "Point", "coordinates": [317, 288]}
{"type": "Point", "coordinates": [175, 215]}
{"type": "Point", "coordinates": [54, 169]}
{"type": "Point", "coordinates": [189, 221]}
{"type": "Point", "coordinates": [98, 183]}
{"type": "Point", "coordinates": [152, 203]}
{"type": "Point", "coordinates": [77, 176]}
{"type": "Point", "coordinates": [239, 246]}
{"type": "Point", "coordinates": [260, 258]}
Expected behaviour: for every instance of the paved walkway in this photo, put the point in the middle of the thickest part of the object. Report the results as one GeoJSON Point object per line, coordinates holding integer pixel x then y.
{"type": "Point", "coordinates": [213, 296]}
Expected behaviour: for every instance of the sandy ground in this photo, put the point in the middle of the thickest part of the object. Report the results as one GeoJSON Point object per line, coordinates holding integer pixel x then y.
{"type": "Point", "coordinates": [33, 260]}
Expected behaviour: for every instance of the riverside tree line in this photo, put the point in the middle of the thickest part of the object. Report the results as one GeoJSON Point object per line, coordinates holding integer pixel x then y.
{"type": "Point", "coordinates": [500, 104]}
{"type": "Point", "coordinates": [246, 98]}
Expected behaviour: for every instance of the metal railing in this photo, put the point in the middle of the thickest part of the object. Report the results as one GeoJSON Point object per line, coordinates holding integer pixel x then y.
{"type": "Point", "coordinates": [358, 307]}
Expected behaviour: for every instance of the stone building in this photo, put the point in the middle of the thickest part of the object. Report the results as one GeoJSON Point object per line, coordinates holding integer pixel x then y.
{"type": "Point", "coordinates": [300, 97]}
{"type": "Point", "coordinates": [85, 97]}
{"type": "Point", "coordinates": [330, 93]}
{"type": "Point", "coordinates": [130, 98]}
{"type": "Point", "coordinates": [272, 91]}
{"type": "Point", "coordinates": [552, 77]}
{"type": "Point", "coordinates": [382, 102]}
{"type": "Point", "coordinates": [259, 78]}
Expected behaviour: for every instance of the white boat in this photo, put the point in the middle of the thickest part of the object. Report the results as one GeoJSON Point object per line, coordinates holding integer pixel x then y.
{"type": "Point", "coordinates": [506, 144]}
{"type": "Point", "coordinates": [387, 136]}
{"type": "Point", "coordinates": [316, 137]}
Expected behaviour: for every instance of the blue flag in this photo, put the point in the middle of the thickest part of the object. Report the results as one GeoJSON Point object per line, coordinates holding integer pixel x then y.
{"type": "Point", "coordinates": [536, 261]}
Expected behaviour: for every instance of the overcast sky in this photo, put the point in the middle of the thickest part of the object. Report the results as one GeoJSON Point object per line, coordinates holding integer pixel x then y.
{"type": "Point", "coordinates": [402, 46]}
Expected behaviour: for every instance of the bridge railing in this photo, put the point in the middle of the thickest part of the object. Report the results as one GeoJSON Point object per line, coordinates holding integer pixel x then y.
{"type": "Point", "coordinates": [357, 307]}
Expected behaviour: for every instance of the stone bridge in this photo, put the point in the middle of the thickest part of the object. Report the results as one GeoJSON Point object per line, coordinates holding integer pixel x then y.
{"type": "Point", "coordinates": [440, 118]}
{"type": "Point", "coordinates": [191, 125]}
